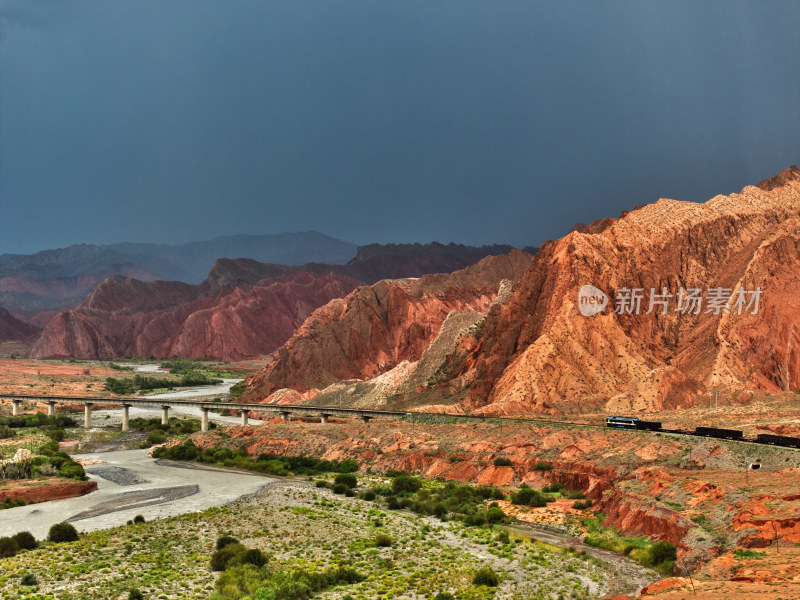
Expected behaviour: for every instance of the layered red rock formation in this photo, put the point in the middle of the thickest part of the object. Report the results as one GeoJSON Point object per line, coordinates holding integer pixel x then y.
{"type": "Point", "coordinates": [171, 319]}
{"type": "Point", "coordinates": [244, 308]}
{"type": "Point", "coordinates": [377, 327]}
{"type": "Point", "coordinates": [537, 353]}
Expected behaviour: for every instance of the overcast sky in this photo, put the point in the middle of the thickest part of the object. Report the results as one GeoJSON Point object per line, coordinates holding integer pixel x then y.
{"type": "Point", "coordinates": [403, 120]}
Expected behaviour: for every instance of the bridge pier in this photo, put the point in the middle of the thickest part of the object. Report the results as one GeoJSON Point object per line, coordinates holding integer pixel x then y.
{"type": "Point", "coordinates": [165, 415]}
{"type": "Point", "coordinates": [324, 419]}
{"type": "Point", "coordinates": [15, 404]}
{"type": "Point", "coordinates": [51, 409]}
{"type": "Point", "coordinates": [245, 413]}
{"type": "Point", "coordinates": [365, 418]}
{"type": "Point", "coordinates": [285, 415]}
{"type": "Point", "coordinates": [87, 415]}
{"type": "Point", "coordinates": [125, 417]}
{"type": "Point", "coordinates": [203, 419]}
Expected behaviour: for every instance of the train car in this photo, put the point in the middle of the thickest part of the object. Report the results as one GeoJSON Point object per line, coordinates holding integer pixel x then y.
{"type": "Point", "coordinates": [778, 440]}
{"type": "Point", "coordinates": [728, 434]}
{"type": "Point", "coordinates": [623, 422]}
{"type": "Point", "coordinates": [650, 425]}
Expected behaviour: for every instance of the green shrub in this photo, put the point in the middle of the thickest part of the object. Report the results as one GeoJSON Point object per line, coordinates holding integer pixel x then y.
{"type": "Point", "coordinates": [28, 579]}
{"type": "Point", "coordinates": [382, 540]}
{"type": "Point", "coordinates": [369, 495]}
{"type": "Point", "coordinates": [339, 488]}
{"type": "Point", "coordinates": [553, 488]}
{"type": "Point", "coordinates": [405, 483]}
{"type": "Point", "coordinates": [485, 576]}
{"type": "Point", "coordinates": [346, 479]}
{"type": "Point", "coordinates": [225, 540]}
{"type": "Point", "coordinates": [135, 594]}
{"type": "Point", "coordinates": [62, 532]}
{"type": "Point", "coordinates": [55, 434]}
{"type": "Point", "coordinates": [138, 519]}
{"type": "Point", "coordinates": [254, 557]}
{"type": "Point", "coordinates": [392, 503]}
{"type": "Point", "coordinates": [661, 552]}
{"type": "Point", "coordinates": [221, 558]}
{"type": "Point", "coordinates": [543, 465]}
{"type": "Point", "coordinates": [494, 515]}
{"type": "Point", "coordinates": [444, 596]}
{"type": "Point", "coordinates": [582, 504]}
{"type": "Point", "coordinates": [529, 497]}
{"type": "Point", "coordinates": [502, 462]}
{"type": "Point", "coordinates": [8, 547]}
{"type": "Point", "coordinates": [72, 470]}
{"type": "Point", "coordinates": [576, 495]}
{"type": "Point", "coordinates": [348, 466]}
{"type": "Point", "coordinates": [25, 540]}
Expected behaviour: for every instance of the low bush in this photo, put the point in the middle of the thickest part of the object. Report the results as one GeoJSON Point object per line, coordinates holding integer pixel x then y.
{"type": "Point", "coordinates": [29, 580]}
{"type": "Point", "coordinates": [662, 552]}
{"type": "Point", "coordinates": [502, 462]}
{"type": "Point", "coordinates": [543, 465]}
{"type": "Point", "coordinates": [582, 504]}
{"type": "Point", "coordinates": [485, 576]}
{"type": "Point", "coordinates": [254, 557]}
{"type": "Point", "coordinates": [62, 532]}
{"type": "Point", "coordinates": [553, 488]}
{"type": "Point", "coordinates": [382, 540]}
{"type": "Point", "coordinates": [346, 479]}
{"type": "Point", "coordinates": [406, 483]}
{"type": "Point", "coordinates": [529, 497]}
{"type": "Point", "coordinates": [225, 540]}
{"type": "Point", "coordinates": [221, 558]}
{"type": "Point", "coordinates": [25, 540]}
{"type": "Point", "coordinates": [494, 515]}
{"type": "Point", "coordinates": [8, 547]}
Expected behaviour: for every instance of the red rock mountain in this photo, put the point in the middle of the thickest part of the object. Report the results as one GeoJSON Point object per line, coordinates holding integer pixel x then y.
{"type": "Point", "coordinates": [535, 352]}
{"type": "Point", "coordinates": [377, 327]}
{"type": "Point", "coordinates": [12, 328]}
{"type": "Point", "coordinates": [243, 309]}
{"type": "Point", "coordinates": [538, 353]}
{"type": "Point", "coordinates": [127, 317]}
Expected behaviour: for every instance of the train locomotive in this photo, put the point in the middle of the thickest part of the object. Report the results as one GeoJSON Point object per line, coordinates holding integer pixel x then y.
{"type": "Point", "coordinates": [622, 422]}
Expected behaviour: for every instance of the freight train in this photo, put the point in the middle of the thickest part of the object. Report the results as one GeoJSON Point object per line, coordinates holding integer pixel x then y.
{"type": "Point", "coordinates": [714, 432]}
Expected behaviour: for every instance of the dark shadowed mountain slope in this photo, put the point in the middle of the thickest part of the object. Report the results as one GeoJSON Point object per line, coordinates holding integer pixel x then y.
{"type": "Point", "coordinates": [57, 278]}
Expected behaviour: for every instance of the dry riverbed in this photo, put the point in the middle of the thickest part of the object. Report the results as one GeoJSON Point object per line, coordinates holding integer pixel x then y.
{"type": "Point", "coordinates": [299, 525]}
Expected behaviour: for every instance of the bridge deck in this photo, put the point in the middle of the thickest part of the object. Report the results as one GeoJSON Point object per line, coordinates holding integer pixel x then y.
{"type": "Point", "coordinates": [162, 402]}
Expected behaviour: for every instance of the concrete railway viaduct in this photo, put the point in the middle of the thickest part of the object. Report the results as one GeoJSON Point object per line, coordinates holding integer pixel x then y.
{"type": "Point", "coordinates": [285, 411]}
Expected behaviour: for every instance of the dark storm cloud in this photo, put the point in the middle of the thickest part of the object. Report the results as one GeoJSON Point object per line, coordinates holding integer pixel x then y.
{"type": "Point", "coordinates": [475, 122]}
